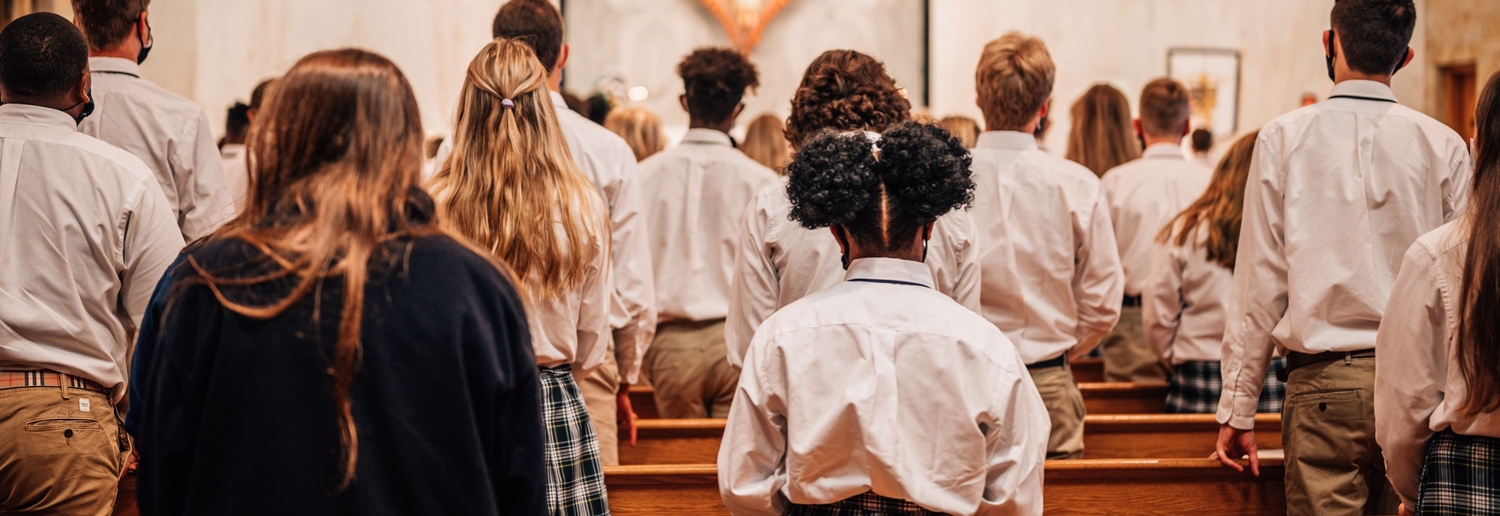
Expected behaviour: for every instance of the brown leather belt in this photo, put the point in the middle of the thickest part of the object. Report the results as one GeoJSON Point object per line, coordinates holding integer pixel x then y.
{"type": "Point", "coordinates": [1295, 360]}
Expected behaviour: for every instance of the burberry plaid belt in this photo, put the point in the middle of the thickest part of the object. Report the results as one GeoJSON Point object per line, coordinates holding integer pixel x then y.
{"type": "Point", "coordinates": [44, 378]}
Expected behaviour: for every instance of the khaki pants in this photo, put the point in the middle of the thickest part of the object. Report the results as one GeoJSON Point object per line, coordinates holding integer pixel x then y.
{"type": "Point", "coordinates": [1065, 408]}
{"type": "Point", "coordinates": [1127, 355]}
{"type": "Point", "coordinates": [690, 370]}
{"type": "Point", "coordinates": [56, 458]}
{"type": "Point", "coordinates": [598, 390]}
{"type": "Point", "coordinates": [1333, 465]}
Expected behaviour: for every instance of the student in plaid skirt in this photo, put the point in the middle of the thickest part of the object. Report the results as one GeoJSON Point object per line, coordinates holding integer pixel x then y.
{"type": "Point", "coordinates": [511, 167]}
{"type": "Point", "coordinates": [1437, 356]}
{"type": "Point", "coordinates": [1188, 289]}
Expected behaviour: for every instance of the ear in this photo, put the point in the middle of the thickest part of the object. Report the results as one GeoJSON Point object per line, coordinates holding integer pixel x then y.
{"type": "Point", "coordinates": [927, 231]}
{"type": "Point", "coordinates": [250, 115]}
{"type": "Point", "coordinates": [1046, 106]}
{"type": "Point", "coordinates": [1136, 124]}
{"type": "Point", "coordinates": [1328, 42]}
{"type": "Point", "coordinates": [143, 27]}
{"type": "Point", "coordinates": [84, 90]}
{"type": "Point", "coordinates": [1187, 127]}
{"type": "Point", "coordinates": [562, 58]}
{"type": "Point", "coordinates": [838, 235]}
{"type": "Point", "coordinates": [1410, 55]}
{"type": "Point", "coordinates": [737, 110]}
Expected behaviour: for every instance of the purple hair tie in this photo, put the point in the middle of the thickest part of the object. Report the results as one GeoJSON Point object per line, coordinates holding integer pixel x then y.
{"type": "Point", "coordinates": [507, 103]}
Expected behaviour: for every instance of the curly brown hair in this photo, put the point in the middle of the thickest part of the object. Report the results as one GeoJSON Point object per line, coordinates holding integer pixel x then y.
{"type": "Point", "coordinates": [714, 80]}
{"type": "Point", "coordinates": [845, 90]}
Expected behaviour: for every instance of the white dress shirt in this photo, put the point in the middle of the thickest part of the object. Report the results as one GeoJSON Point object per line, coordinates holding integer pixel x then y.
{"type": "Point", "coordinates": [1184, 301]}
{"type": "Point", "coordinates": [1144, 195]}
{"type": "Point", "coordinates": [694, 198]}
{"type": "Point", "coordinates": [168, 132]}
{"type": "Point", "coordinates": [887, 387]}
{"type": "Point", "coordinates": [1419, 387]}
{"type": "Point", "coordinates": [1337, 192]}
{"type": "Point", "coordinates": [85, 234]}
{"type": "Point", "coordinates": [779, 261]}
{"type": "Point", "coordinates": [1052, 277]}
{"type": "Point", "coordinates": [236, 173]}
{"type": "Point", "coordinates": [574, 329]}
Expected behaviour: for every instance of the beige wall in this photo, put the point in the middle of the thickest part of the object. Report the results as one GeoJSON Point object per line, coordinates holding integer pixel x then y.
{"type": "Point", "coordinates": [1461, 32]}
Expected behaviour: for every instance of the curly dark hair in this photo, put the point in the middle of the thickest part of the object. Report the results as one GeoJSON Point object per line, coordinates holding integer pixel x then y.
{"type": "Point", "coordinates": [921, 173]}
{"type": "Point", "coordinates": [715, 79]}
{"type": "Point", "coordinates": [845, 90]}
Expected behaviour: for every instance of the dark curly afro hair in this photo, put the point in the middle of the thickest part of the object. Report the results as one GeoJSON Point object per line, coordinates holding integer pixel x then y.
{"type": "Point", "coordinates": [921, 173]}
{"type": "Point", "coordinates": [845, 90]}
{"type": "Point", "coordinates": [715, 79]}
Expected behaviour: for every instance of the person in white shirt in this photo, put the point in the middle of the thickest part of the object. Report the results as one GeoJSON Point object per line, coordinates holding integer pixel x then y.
{"type": "Point", "coordinates": [1143, 195]}
{"type": "Point", "coordinates": [777, 262]}
{"type": "Point", "coordinates": [510, 168]}
{"type": "Point", "coordinates": [170, 133]}
{"type": "Point", "coordinates": [694, 202]}
{"type": "Point", "coordinates": [1337, 192]}
{"type": "Point", "coordinates": [881, 395]}
{"type": "Point", "coordinates": [1187, 291]}
{"type": "Point", "coordinates": [1052, 279]}
{"type": "Point", "coordinates": [84, 236]}
{"type": "Point", "coordinates": [1437, 373]}
{"type": "Point", "coordinates": [607, 161]}
{"type": "Point", "coordinates": [232, 154]}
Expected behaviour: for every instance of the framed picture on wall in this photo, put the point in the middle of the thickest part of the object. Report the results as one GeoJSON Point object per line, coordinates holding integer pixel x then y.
{"type": "Point", "coordinates": [1213, 77]}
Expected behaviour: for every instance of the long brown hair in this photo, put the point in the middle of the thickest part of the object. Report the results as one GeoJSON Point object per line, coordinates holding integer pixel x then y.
{"type": "Point", "coordinates": [1219, 210]}
{"type": "Point", "coordinates": [1102, 137]}
{"type": "Point", "coordinates": [335, 157]}
{"type": "Point", "coordinates": [1479, 311]}
{"type": "Point", "coordinates": [510, 179]}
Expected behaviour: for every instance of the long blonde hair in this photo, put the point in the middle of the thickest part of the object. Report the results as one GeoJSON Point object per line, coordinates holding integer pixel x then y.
{"type": "Point", "coordinates": [640, 128]}
{"type": "Point", "coordinates": [510, 179]}
{"type": "Point", "coordinates": [1102, 137]}
{"type": "Point", "coordinates": [1218, 211]}
{"type": "Point", "coordinates": [335, 159]}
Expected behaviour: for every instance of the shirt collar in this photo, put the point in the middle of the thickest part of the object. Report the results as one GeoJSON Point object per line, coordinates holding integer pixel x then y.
{"type": "Point", "coordinates": [36, 115]}
{"type": "Point", "coordinates": [114, 65]}
{"type": "Point", "coordinates": [1360, 88]}
{"type": "Point", "coordinates": [706, 136]}
{"type": "Point", "coordinates": [890, 269]}
{"type": "Point", "coordinates": [1164, 151]}
{"type": "Point", "coordinates": [1006, 140]}
{"type": "Point", "coordinates": [558, 102]}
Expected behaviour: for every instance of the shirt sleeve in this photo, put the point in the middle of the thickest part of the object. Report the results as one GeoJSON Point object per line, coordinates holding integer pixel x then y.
{"type": "Point", "coordinates": [1410, 367]}
{"type": "Point", "coordinates": [1017, 449]}
{"type": "Point", "coordinates": [752, 467]}
{"type": "Point", "coordinates": [202, 191]}
{"type": "Point", "coordinates": [1098, 279]}
{"type": "Point", "coordinates": [594, 314]}
{"type": "Point", "coordinates": [633, 303]}
{"type": "Point", "coordinates": [967, 284]}
{"type": "Point", "coordinates": [152, 241]}
{"type": "Point", "coordinates": [1162, 298]}
{"type": "Point", "coordinates": [755, 287]}
{"type": "Point", "coordinates": [1258, 298]}
{"type": "Point", "coordinates": [1456, 183]}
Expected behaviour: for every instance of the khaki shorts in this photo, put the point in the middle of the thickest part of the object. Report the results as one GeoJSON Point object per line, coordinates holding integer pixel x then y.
{"type": "Point", "coordinates": [1064, 407]}
{"type": "Point", "coordinates": [59, 453]}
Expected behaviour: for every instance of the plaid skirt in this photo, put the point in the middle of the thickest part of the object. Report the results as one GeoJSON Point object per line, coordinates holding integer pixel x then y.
{"type": "Point", "coordinates": [1196, 385]}
{"type": "Point", "coordinates": [865, 504]}
{"type": "Point", "coordinates": [1461, 476]}
{"type": "Point", "coordinates": [575, 478]}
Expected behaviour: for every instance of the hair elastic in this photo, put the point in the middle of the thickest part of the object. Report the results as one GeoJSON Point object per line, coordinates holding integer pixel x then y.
{"type": "Point", "coordinates": [507, 103]}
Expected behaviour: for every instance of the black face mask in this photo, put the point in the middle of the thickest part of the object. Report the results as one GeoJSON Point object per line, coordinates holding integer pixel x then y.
{"type": "Point", "coordinates": [88, 107]}
{"type": "Point", "coordinates": [146, 44]}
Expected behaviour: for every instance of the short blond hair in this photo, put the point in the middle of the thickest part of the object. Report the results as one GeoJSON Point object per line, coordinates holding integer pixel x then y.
{"type": "Point", "coordinates": [1166, 105]}
{"type": "Point", "coordinates": [640, 128]}
{"type": "Point", "coordinates": [1014, 80]}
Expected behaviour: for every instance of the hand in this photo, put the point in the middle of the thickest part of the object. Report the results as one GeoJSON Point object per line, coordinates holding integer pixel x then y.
{"type": "Point", "coordinates": [1404, 511]}
{"type": "Point", "coordinates": [131, 461]}
{"type": "Point", "coordinates": [625, 415]}
{"type": "Point", "coordinates": [1234, 443]}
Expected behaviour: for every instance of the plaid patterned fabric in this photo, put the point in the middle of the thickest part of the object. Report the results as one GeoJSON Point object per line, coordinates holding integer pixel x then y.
{"type": "Point", "coordinates": [866, 504]}
{"type": "Point", "coordinates": [42, 378]}
{"type": "Point", "coordinates": [575, 478]}
{"type": "Point", "coordinates": [1196, 385]}
{"type": "Point", "coordinates": [1461, 476]}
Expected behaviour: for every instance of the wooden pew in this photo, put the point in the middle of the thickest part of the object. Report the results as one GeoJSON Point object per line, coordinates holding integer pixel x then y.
{"type": "Point", "coordinates": [1163, 486]}
{"type": "Point", "coordinates": [1098, 398]}
{"type": "Point", "coordinates": [1157, 436]}
{"type": "Point", "coordinates": [125, 499]}
{"type": "Point", "coordinates": [1088, 370]}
